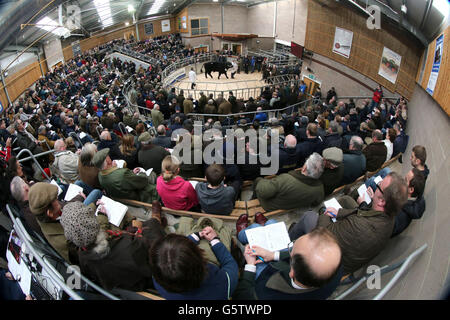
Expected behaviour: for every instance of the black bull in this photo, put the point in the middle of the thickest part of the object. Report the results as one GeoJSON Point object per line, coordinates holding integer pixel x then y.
{"type": "Point", "coordinates": [220, 67]}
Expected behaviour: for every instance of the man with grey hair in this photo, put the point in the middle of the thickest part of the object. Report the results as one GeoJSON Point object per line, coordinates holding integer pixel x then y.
{"type": "Point", "coordinates": [354, 161]}
{"type": "Point", "coordinates": [333, 138]}
{"type": "Point", "coordinates": [157, 116]}
{"type": "Point", "coordinates": [295, 189]}
{"type": "Point", "coordinates": [19, 191]}
{"type": "Point", "coordinates": [376, 152]}
{"type": "Point", "coordinates": [65, 165]}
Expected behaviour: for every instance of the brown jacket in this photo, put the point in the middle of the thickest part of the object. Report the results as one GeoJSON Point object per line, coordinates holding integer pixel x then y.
{"type": "Point", "coordinates": [225, 107]}
{"type": "Point", "coordinates": [88, 175]}
{"type": "Point", "coordinates": [376, 154]}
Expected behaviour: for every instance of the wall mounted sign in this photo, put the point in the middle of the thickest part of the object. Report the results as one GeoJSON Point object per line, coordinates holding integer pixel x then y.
{"type": "Point", "coordinates": [390, 65]}
{"type": "Point", "coordinates": [342, 42]}
{"type": "Point", "coordinates": [438, 52]}
{"type": "Point", "coordinates": [165, 25]}
{"type": "Point", "coordinates": [148, 27]}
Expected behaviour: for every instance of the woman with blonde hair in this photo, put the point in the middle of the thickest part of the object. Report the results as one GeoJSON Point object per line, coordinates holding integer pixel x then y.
{"type": "Point", "coordinates": [129, 151]}
{"type": "Point", "coordinates": [175, 192]}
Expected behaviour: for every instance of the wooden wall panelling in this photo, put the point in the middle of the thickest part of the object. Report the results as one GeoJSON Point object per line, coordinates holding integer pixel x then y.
{"type": "Point", "coordinates": [367, 45]}
{"type": "Point", "coordinates": [441, 91]}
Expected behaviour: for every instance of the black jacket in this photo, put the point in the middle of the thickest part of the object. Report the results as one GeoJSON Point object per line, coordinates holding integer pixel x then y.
{"type": "Point", "coordinates": [114, 151]}
{"type": "Point", "coordinates": [274, 284]}
{"type": "Point", "coordinates": [413, 209]}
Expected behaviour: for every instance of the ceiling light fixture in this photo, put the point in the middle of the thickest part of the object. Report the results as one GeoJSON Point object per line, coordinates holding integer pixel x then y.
{"type": "Point", "coordinates": [404, 9]}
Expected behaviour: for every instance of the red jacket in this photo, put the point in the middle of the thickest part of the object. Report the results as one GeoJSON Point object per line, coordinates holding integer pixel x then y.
{"type": "Point", "coordinates": [177, 194]}
{"type": "Point", "coordinates": [377, 94]}
{"type": "Point", "coordinates": [149, 104]}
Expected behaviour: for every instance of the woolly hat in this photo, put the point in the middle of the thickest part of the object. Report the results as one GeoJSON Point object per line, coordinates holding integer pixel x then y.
{"type": "Point", "coordinates": [79, 224]}
{"type": "Point", "coordinates": [40, 196]}
{"type": "Point", "coordinates": [334, 155]}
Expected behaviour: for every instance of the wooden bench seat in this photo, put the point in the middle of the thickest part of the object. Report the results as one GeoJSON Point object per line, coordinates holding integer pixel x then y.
{"type": "Point", "coordinates": [251, 207]}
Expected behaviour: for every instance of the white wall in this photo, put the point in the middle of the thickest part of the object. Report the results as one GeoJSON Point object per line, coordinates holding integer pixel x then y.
{"type": "Point", "coordinates": [291, 18]}
{"type": "Point", "coordinates": [24, 60]}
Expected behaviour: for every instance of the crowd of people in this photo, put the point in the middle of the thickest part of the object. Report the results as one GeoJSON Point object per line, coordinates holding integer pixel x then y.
{"type": "Point", "coordinates": [76, 110]}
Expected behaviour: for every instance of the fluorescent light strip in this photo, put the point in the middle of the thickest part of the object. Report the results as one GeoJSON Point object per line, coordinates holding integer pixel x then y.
{"type": "Point", "coordinates": [104, 12]}
{"type": "Point", "coordinates": [156, 7]}
{"type": "Point", "coordinates": [49, 25]}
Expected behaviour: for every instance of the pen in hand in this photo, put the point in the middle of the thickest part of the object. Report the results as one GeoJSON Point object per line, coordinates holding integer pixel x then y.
{"type": "Point", "coordinates": [259, 257]}
{"type": "Point", "coordinates": [334, 216]}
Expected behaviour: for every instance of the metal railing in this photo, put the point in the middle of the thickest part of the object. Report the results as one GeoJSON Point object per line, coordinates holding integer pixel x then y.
{"type": "Point", "coordinates": [51, 271]}
{"type": "Point", "coordinates": [273, 113]}
{"type": "Point", "coordinates": [402, 265]}
{"type": "Point", "coordinates": [33, 157]}
{"type": "Point", "coordinates": [201, 58]}
{"type": "Point", "coordinates": [240, 93]}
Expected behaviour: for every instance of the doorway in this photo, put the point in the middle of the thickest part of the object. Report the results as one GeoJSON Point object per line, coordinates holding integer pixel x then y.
{"type": "Point", "coordinates": [236, 48]}
{"type": "Point", "coordinates": [202, 49]}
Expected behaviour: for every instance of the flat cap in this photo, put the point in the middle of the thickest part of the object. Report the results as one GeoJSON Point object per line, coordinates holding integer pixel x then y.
{"type": "Point", "coordinates": [40, 196]}
{"type": "Point", "coordinates": [144, 137]}
{"type": "Point", "coordinates": [334, 155]}
{"type": "Point", "coordinates": [100, 157]}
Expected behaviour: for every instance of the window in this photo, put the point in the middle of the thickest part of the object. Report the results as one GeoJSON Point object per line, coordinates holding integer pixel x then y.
{"type": "Point", "coordinates": [199, 26]}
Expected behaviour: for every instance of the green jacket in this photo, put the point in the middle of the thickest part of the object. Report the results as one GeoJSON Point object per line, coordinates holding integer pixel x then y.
{"type": "Point", "coordinates": [361, 234]}
{"type": "Point", "coordinates": [289, 191]}
{"type": "Point", "coordinates": [157, 117]}
{"type": "Point", "coordinates": [123, 183]}
{"type": "Point", "coordinates": [186, 227]}
{"type": "Point", "coordinates": [130, 121]}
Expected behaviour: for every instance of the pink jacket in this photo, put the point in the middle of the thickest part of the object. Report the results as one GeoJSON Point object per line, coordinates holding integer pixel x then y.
{"type": "Point", "coordinates": [177, 194]}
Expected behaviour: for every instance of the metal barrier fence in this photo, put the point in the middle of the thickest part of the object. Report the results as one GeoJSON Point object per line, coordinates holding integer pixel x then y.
{"type": "Point", "coordinates": [39, 252]}
{"type": "Point", "coordinates": [245, 92]}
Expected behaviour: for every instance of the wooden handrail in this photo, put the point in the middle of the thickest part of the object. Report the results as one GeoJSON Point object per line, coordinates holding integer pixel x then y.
{"type": "Point", "coordinates": [150, 295]}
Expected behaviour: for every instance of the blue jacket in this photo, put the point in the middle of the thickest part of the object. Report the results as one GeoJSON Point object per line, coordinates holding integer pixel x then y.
{"type": "Point", "coordinates": [219, 283]}
{"type": "Point", "coordinates": [262, 116]}
{"type": "Point", "coordinates": [400, 143]}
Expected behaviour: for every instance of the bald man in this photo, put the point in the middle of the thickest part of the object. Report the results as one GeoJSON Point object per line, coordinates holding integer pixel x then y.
{"type": "Point", "coordinates": [289, 156]}
{"type": "Point", "coordinates": [65, 165]}
{"type": "Point", "coordinates": [161, 139]}
{"type": "Point", "coordinates": [309, 270]}
{"type": "Point", "coordinates": [106, 141]}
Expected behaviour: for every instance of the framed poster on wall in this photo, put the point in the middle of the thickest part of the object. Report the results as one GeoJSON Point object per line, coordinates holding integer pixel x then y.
{"type": "Point", "coordinates": [165, 25]}
{"type": "Point", "coordinates": [76, 48]}
{"type": "Point", "coordinates": [390, 65]}
{"type": "Point", "coordinates": [148, 27]}
{"type": "Point", "coordinates": [343, 42]}
{"type": "Point", "coordinates": [436, 64]}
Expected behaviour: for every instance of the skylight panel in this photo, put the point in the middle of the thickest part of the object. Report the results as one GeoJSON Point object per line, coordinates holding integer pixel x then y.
{"type": "Point", "coordinates": [156, 7]}
{"type": "Point", "coordinates": [49, 25]}
{"type": "Point", "coordinates": [104, 12]}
